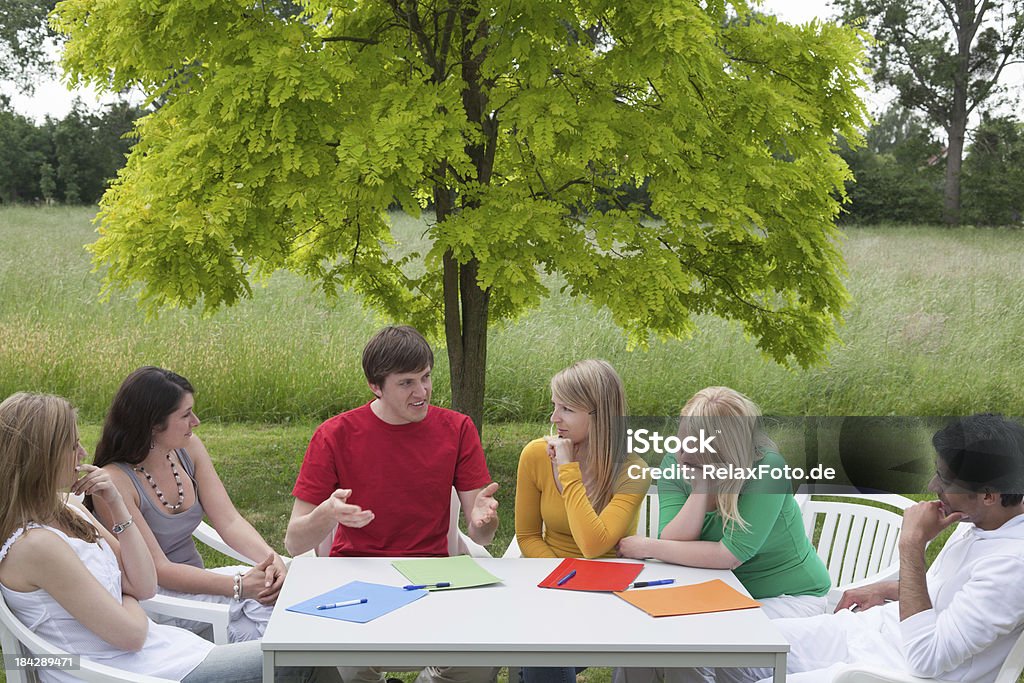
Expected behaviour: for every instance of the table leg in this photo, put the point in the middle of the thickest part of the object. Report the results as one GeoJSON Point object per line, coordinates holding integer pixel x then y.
{"type": "Point", "coordinates": [268, 666]}
{"type": "Point", "coordinates": [780, 668]}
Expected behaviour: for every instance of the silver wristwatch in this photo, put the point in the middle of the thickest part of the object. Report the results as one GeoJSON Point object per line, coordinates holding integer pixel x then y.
{"type": "Point", "coordinates": [119, 528]}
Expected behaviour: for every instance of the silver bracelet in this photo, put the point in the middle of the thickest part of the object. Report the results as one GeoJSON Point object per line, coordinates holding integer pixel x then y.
{"type": "Point", "coordinates": [238, 587]}
{"type": "Point", "coordinates": [119, 529]}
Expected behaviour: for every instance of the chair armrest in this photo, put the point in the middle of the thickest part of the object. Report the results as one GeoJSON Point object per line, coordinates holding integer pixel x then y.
{"type": "Point", "coordinates": [93, 672]}
{"type": "Point", "coordinates": [18, 638]}
{"type": "Point", "coordinates": [208, 535]}
{"type": "Point", "coordinates": [467, 546]}
{"type": "Point", "coordinates": [857, 673]}
{"type": "Point", "coordinates": [215, 614]}
{"type": "Point", "coordinates": [835, 594]}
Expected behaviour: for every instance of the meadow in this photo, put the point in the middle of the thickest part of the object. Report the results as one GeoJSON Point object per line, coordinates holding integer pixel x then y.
{"type": "Point", "coordinates": [934, 328]}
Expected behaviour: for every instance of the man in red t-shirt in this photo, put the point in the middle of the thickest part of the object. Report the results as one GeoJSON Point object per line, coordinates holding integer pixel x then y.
{"type": "Point", "coordinates": [378, 478]}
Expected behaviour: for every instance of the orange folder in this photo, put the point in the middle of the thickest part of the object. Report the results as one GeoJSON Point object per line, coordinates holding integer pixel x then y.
{"type": "Point", "coordinates": [593, 575]}
{"type": "Point", "coordinates": [699, 598]}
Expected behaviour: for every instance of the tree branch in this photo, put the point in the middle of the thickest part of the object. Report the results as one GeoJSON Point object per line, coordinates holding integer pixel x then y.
{"type": "Point", "coordinates": [950, 11]}
{"type": "Point", "coordinates": [350, 39]}
{"type": "Point", "coordinates": [721, 279]}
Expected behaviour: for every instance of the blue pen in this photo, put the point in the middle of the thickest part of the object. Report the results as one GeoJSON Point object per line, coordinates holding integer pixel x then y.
{"type": "Point", "coordinates": [566, 577]}
{"type": "Point", "coordinates": [421, 586]}
{"type": "Point", "coordinates": [346, 603]}
{"type": "Point", "coordinates": [659, 582]}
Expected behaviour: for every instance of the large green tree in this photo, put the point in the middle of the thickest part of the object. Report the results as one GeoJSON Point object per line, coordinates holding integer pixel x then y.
{"type": "Point", "coordinates": [23, 40]}
{"type": "Point", "coordinates": [945, 58]}
{"type": "Point", "coordinates": [526, 125]}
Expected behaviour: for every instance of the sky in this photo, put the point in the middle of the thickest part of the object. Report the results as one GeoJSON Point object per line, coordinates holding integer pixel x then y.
{"type": "Point", "coordinates": [51, 97]}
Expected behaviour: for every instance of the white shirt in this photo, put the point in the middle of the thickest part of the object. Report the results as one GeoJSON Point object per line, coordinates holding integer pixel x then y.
{"type": "Point", "coordinates": [976, 586]}
{"type": "Point", "coordinates": [168, 652]}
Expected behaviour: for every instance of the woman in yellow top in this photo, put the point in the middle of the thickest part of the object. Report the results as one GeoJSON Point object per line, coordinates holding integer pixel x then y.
{"type": "Point", "coordinates": [573, 496]}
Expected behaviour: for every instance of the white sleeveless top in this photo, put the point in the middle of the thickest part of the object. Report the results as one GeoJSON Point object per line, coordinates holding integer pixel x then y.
{"type": "Point", "coordinates": [168, 652]}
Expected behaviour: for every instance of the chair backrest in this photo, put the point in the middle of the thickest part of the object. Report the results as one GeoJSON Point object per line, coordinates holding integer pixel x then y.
{"type": "Point", "coordinates": [1010, 672]}
{"type": "Point", "coordinates": [18, 639]}
{"type": "Point", "coordinates": [1013, 666]}
{"type": "Point", "coordinates": [856, 541]}
{"type": "Point", "coordinates": [647, 525]}
{"type": "Point", "coordinates": [11, 644]}
{"type": "Point", "coordinates": [458, 542]}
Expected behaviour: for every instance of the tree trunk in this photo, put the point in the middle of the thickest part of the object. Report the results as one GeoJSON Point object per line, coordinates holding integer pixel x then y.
{"type": "Point", "coordinates": [954, 162]}
{"type": "Point", "coordinates": [465, 326]}
{"type": "Point", "coordinates": [465, 320]}
{"type": "Point", "coordinates": [956, 124]}
{"type": "Point", "coordinates": [466, 305]}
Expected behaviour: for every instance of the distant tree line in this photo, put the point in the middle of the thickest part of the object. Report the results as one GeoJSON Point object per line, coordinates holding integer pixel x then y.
{"type": "Point", "coordinates": [900, 173]}
{"type": "Point", "coordinates": [899, 170]}
{"type": "Point", "coordinates": [69, 160]}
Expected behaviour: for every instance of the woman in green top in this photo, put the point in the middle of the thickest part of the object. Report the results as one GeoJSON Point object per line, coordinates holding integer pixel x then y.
{"type": "Point", "coordinates": [726, 519]}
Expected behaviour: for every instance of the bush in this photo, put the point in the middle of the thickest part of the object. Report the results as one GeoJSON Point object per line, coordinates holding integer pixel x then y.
{"type": "Point", "coordinates": [70, 160]}
{"type": "Point", "coordinates": [898, 173]}
{"type": "Point", "coordinates": [993, 174]}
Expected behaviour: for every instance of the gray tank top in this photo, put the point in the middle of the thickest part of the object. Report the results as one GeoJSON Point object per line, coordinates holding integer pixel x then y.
{"type": "Point", "coordinates": [172, 532]}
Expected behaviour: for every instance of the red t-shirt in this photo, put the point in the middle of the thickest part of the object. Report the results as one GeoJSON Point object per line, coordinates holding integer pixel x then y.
{"type": "Point", "coordinates": [403, 473]}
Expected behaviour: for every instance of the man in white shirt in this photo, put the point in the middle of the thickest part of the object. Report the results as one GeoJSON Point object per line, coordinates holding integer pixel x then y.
{"type": "Point", "coordinates": [958, 620]}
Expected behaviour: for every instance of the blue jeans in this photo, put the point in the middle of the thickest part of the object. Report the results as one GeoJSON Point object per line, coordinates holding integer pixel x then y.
{"type": "Point", "coordinates": [549, 674]}
{"type": "Point", "coordinates": [243, 663]}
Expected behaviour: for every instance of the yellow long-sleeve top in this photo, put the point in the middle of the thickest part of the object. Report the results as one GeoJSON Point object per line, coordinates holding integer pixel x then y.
{"type": "Point", "coordinates": [553, 524]}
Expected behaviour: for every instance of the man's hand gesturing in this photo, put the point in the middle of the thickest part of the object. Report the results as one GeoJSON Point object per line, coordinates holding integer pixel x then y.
{"type": "Point", "coordinates": [345, 513]}
{"type": "Point", "coordinates": [485, 508]}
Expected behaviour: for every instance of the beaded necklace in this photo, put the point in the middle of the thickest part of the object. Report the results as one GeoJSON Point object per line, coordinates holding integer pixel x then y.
{"type": "Point", "coordinates": [156, 489]}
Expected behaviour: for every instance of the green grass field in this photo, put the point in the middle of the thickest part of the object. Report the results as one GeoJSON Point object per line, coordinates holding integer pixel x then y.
{"type": "Point", "coordinates": [934, 329]}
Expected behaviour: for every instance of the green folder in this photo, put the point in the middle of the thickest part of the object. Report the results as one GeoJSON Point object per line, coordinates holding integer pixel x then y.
{"type": "Point", "coordinates": [461, 571]}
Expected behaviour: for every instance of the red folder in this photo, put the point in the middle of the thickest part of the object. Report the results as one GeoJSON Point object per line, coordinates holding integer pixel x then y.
{"type": "Point", "coordinates": [593, 575]}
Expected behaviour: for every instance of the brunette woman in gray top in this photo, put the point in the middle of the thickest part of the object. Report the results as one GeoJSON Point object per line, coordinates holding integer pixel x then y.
{"type": "Point", "coordinates": [168, 482]}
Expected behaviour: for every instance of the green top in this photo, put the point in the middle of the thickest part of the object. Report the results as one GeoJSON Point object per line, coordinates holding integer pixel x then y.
{"type": "Point", "coordinates": [777, 557]}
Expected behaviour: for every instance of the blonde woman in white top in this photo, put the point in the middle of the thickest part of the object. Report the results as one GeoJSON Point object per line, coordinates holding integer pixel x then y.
{"type": "Point", "coordinates": [77, 583]}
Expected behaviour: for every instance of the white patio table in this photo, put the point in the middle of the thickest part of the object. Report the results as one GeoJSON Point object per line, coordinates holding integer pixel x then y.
{"type": "Point", "coordinates": [512, 623]}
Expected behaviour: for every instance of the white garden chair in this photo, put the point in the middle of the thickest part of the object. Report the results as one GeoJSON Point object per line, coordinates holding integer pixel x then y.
{"type": "Point", "coordinates": [856, 541]}
{"type": "Point", "coordinates": [214, 614]}
{"type": "Point", "coordinates": [217, 614]}
{"type": "Point", "coordinates": [1010, 672]}
{"type": "Point", "coordinates": [16, 639]}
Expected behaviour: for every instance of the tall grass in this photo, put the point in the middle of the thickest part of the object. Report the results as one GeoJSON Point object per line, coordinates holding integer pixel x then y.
{"type": "Point", "coordinates": [934, 328]}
